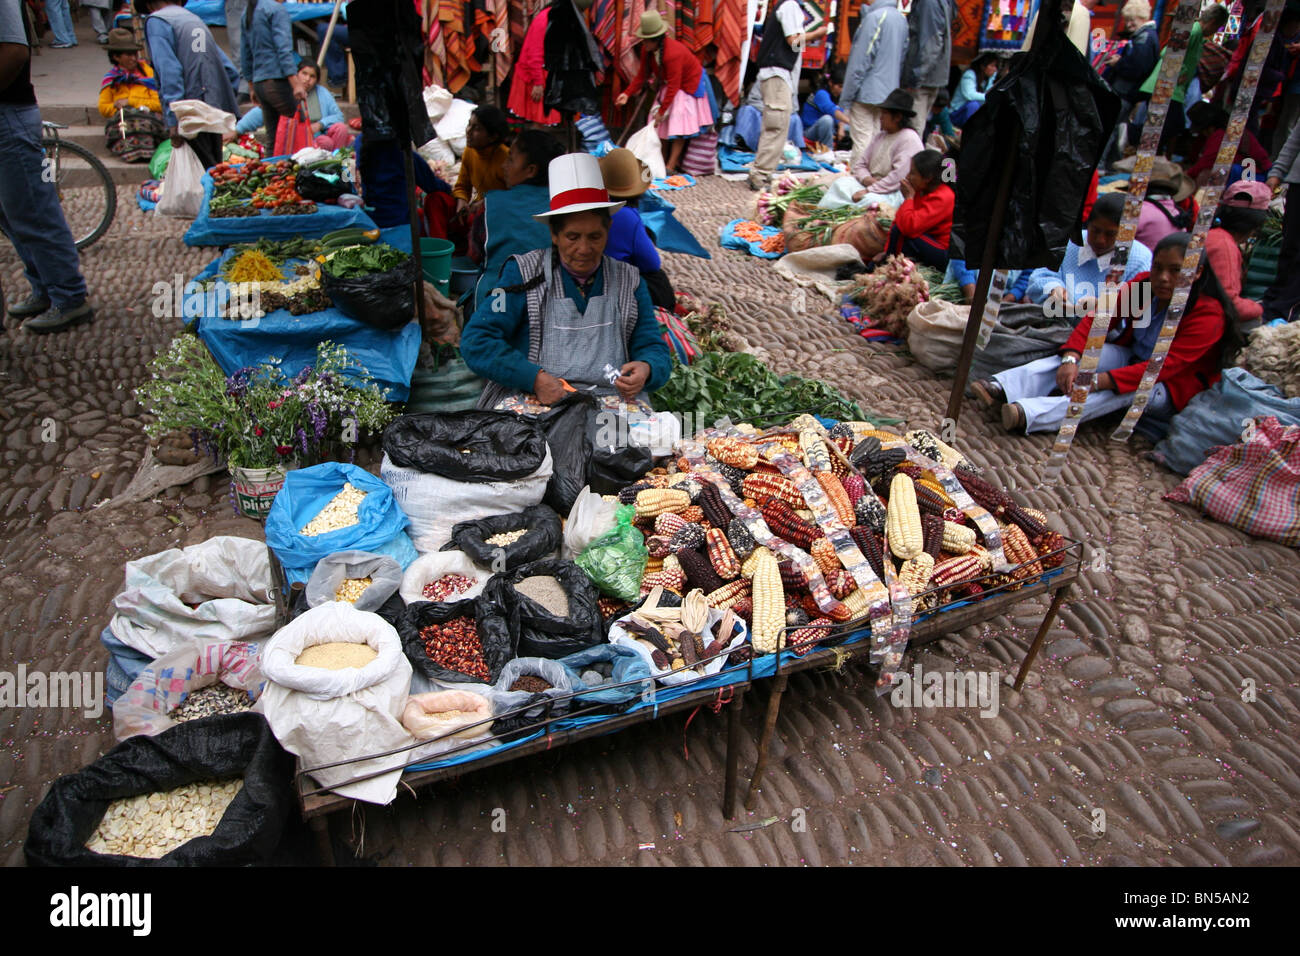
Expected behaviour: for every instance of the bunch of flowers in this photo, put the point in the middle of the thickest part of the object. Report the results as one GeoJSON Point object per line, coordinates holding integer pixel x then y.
{"type": "Point", "coordinates": [259, 417]}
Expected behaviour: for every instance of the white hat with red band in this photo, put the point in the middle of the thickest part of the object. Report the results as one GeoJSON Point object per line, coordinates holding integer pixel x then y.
{"type": "Point", "coordinates": [577, 186]}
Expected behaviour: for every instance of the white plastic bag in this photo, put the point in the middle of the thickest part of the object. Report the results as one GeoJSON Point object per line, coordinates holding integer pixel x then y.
{"type": "Point", "coordinates": [437, 151]}
{"type": "Point", "coordinates": [164, 684]}
{"type": "Point", "coordinates": [385, 578]}
{"type": "Point", "coordinates": [195, 116]}
{"type": "Point", "coordinates": [453, 123]}
{"type": "Point", "coordinates": [554, 673]}
{"type": "Point", "coordinates": [436, 101]}
{"type": "Point", "coordinates": [589, 518]}
{"type": "Point", "coordinates": [435, 504]}
{"type": "Point", "coordinates": [448, 712]}
{"type": "Point", "coordinates": [182, 189]}
{"type": "Point", "coordinates": [645, 146]}
{"type": "Point", "coordinates": [228, 578]}
{"type": "Point", "coordinates": [431, 566]}
{"type": "Point", "coordinates": [323, 716]}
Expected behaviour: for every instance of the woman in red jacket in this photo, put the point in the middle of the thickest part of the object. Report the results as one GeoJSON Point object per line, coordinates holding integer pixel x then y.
{"type": "Point", "coordinates": [529, 82]}
{"type": "Point", "coordinates": [684, 95]}
{"type": "Point", "coordinates": [923, 222]}
{"type": "Point", "coordinates": [1036, 395]}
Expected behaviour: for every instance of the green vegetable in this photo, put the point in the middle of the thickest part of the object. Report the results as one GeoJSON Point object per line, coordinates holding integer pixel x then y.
{"type": "Point", "coordinates": [351, 262]}
{"type": "Point", "coordinates": [616, 560]}
{"type": "Point", "coordinates": [279, 251]}
{"type": "Point", "coordinates": [740, 387]}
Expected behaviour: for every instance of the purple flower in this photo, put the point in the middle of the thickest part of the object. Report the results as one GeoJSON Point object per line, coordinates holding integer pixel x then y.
{"type": "Point", "coordinates": [302, 440]}
{"type": "Point", "coordinates": [319, 420]}
{"type": "Point", "coordinates": [303, 375]}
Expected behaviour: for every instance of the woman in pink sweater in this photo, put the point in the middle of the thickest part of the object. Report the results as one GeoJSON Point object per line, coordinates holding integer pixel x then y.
{"type": "Point", "coordinates": [1242, 210]}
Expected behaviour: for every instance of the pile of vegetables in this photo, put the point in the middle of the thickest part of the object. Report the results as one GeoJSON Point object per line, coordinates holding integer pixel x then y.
{"type": "Point", "coordinates": [260, 266]}
{"type": "Point", "coordinates": [736, 384]}
{"type": "Point", "coordinates": [940, 290]}
{"type": "Point", "coordinates": [353, 261]}
{"type": "Point", "coordinates": [252, 265]}
{"type": "Point", "coordinates": [244, 189]}
{"type": "Point", "coordinates": [822, 224]}
{"type": "Point", "coordinates": [771, 206]}
{"type": "Point", "coordinates": [890, 293]}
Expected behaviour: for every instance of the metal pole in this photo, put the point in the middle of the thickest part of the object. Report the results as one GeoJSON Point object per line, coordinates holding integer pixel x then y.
{"type": "Point", "coordinates": [329, 34]}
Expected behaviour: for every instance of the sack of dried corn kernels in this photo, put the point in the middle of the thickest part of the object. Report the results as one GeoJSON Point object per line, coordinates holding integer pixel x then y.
{"type": "Point", "coordinates": [334, 507]}
{"type": "Point", "coordinates": [361, 579]}
{"type": "Point", "coordinates": [215, 793]}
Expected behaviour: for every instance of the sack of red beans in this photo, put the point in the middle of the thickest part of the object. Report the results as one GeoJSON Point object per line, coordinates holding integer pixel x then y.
{"type": "Point", "coordinates": [449, 643]}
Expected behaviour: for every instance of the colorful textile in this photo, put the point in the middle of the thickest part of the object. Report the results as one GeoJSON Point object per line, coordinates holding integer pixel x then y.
{"type": "Point", "coordinates": [1005, 24]}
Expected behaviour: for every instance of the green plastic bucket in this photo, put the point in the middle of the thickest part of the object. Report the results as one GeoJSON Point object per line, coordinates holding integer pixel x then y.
{"type": "Point", "coordinates": [435, 256]}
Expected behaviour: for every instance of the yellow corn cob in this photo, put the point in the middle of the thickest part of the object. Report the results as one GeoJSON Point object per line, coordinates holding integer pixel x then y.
{"type": "Point", "coordinates": [815, 454]}
{"type": "Point", "coordinates": [732, 451]}
{"type": "Point", "coordinates": [839, 498]}
{"type": "Point", "coordinates": [729, 594]}
{"type": "Point", "coordinates": [654, 564]}
{"type": "Point", "coordinates": [751, 562]}
{"type": "Point", "coordinates": [761, 487]}
{"type": "Point", "coordinates": [823, 552]}
{"type": "Point", "coordinates": [902, 519]}
{"type": "Point", "coordinates": [768, 617]}
{"type": "Point", "coordinates": [915, 574]}
{"type": "Point", "coordinates": [927, 482]}
{"type": "Point", "coordinates": [950, 456]}
{"type": "Point", "coordinates": [1020, 552]}
{"type": "Point", "coordinates": [863, 430]}
{"type": "Point", "coordinates": [721, 555]}
{"type": "Point", "coordinates": [805, 423]}
{"type": "Point", "coordinates": [653, 502]}
{"type": "Point", "coordinates": [857, 604]}
{"type": "Point", "coordinates": [985, 558]}
{"type": "Point", "coordinates": [958, 538]}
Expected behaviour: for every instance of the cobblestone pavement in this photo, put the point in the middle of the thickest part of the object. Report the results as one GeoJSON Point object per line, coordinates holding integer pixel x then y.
{"type": "Point", "coordinates": [1135, 708]}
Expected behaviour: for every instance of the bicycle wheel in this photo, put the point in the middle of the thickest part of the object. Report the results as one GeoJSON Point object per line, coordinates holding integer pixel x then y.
{"type": "Point", "coordinates": [86, 190]}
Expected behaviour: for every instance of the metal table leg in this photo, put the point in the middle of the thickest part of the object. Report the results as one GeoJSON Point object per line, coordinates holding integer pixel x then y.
{"type": "Point", "coordinates": [1057, 597]}
{"type": "Point", "coordinates": [733, 755]}
{"type": "Point", "coordinates": [769, 728]}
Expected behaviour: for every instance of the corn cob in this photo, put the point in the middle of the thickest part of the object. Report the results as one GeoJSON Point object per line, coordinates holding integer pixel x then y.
{"type": "Point", "coordinates": [734, 477]}
{"type": "Point", "coordinates": [685, 481]}
{"type": "Point", "coordinates": [741, 541]}
{"type": "Point", "coordinates": [1047, 543]}
{"type": "Point", "coordinates": [768, 487]}
{"type": "Point", "coordinates": [984, 556]}
{"type": "Point", "coordinates": [690, 537]}
{"type": "Point", "coordinates": [881, 462]}
{"type": "Point", "coordinates": [854, 607]}
{"type": "Point", "coordinates": [628, 495]}
{"type": "Point", "coordinates": [721, 556]}
{"type": "Point", "coordinates": [993, 500]}
{"type": "Point", "coordinates": [792, 578]}
{"type": "Point", "coordinates": [1032, 527]}
{"type": "Point", "coordinates": [968, 590]}
{"type": "Point", "coordinates": [668, 524]}
{"type": "Point", "coordinates": [958, 538]}
{"type": "Point", "coordinates": [841, 584]}
{"type": "Point", "coordinates": [870, 512]}
{"type": "Point", "coordinates": [1037, 515]}
{"type": "Point", "coordinates": [715, 509]}
{"type": "Point", "coordinates": [864, 450]}
{"type": "Point", "coordinates": [952, 571]}
{"type": "Point", "coordinates": [768, 623]}
{"type": "Point", "coordinates": [823, 552]}
{"type": "Point", "coordinates": [658, 545]}
{"type": "Point", "coordinates": [924, 442]}
{"type": "Point", "coordinates": [839, 498]}
{"type": "Point", "coordinates": [699, 572]}
{"type": "Point", "coordinates": [928, 502]}
{"type": "Point", "coordinates": [815, 453]}
{"type": "Point", "coordinates": [655, 501]}
{"type": "Point", "coordinates": [932, 535]}
{"type": "Point", "coordinates": [1020, 552]}
{"type": "Point", "coordinates": [855, 486]}
{"type": "Point", "coordinates": [653, 564]}
{"type": "Point", "coordinates": [671, 575]}
{"type": "Point", "coordinates": [803, 639]}
{"type": "Point", "coordinates": [842, 430]}
{"type": "Point", "coordinates": [928, 482]}
{"type": "Point", "coordinates": [844, 442]}
{"type": "Point", "coordinates": [872, 548]}
{"type": "Point", "coordinates": [915, 472]}
{"type": "Point", "coordinates": [693, 515]}
{"type": "Point", "coordinates": [915, 574]}
{"type": "Point", "coordinates": [903, 519]}
{"type": "Point", "coordinates": [732, 451]}
{"type": "Point", "coordinates": [728, 594]}
{"type": "Point", "coordinates": [956, 516]}
{"type": "Point", "coordinates": [744, 606]}
{"type": "Point", "coordinates": [750, 563]}
{"type": "Point", "coordinates": [784, 523]}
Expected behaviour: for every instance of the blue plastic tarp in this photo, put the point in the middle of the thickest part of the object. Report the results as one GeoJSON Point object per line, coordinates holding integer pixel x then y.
{"type": "Point", "coordinates": [669, 234]}
{"type": "Point", "coordinates": [227, 230]}
{"type": "Point", "coordinates": [728, 239]}
{"type": "Point", "coordinates": [738, 161]}
{"type": "Point", "coordinates": [213, 12]}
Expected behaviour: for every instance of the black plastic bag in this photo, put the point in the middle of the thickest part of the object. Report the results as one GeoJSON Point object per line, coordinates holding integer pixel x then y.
{"type": "Point", "coordinates": [536, 631]}
{"type": "Point", "coordinates": [494, 634]}
{"type": "Point", "coordinates": [588, 449]}
{"type": "Point", "coordinates": [542, 539]}
{"type": "Point", "coordinates": [387, 45]}
{"type": "Point", "coordinates": [1057, 115]}
{"type": "Point", "coordinates": [211, 748]}
{"type": "Point", "coordinates": [469, 446]}
{"type": "Point", "coordinates": [385, 300]}
{"type": "Point", "coordinates": [319, 188]}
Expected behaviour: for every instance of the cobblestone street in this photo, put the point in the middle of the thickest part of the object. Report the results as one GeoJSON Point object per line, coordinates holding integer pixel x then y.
{"type": "Point", "coordinates": [1134, 709]}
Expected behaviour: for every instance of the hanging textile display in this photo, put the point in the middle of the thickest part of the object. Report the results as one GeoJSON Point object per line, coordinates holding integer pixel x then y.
{"type": "Point", "coordinates": [967, 19]}
{"type": "Point", "coordinates": [731, 19]}
{"type": "Point", "coordinates": [1006, 22]}
{"type": "Point", "coordinates": [456, 67]}
{"type": "Point", "coordinates": [1157, 110]}
{"type": "Point", "coordinates": [1205, 218]}
{"type": "Point", "coordinates": [436, 44]}
{"type": "Point", "coordinates": [816, 12]}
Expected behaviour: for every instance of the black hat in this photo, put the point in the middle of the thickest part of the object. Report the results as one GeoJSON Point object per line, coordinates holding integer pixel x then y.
{"type": "Point", "coordinates": [899, 101]}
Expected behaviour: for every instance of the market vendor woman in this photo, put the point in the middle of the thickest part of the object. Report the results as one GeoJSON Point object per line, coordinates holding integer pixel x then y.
{"type": "Point", "coordinates": [565, 313]}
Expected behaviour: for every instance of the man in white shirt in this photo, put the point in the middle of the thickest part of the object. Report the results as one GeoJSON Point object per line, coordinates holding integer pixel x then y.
{"type": "Point", "coordinates": [779, 55]}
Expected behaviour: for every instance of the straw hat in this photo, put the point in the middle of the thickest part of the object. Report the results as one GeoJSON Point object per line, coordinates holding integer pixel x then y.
{"type": "Point", "coordinates": [121, 40]}
{"type": "Point", "coordinates": [577, 186]}
{"type": "Point", "coordinates": [626, 177]}
{"type": "Point", "coordinates": [652, 25]}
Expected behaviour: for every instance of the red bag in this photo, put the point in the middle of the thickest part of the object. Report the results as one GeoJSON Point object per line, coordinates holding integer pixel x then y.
{"type": "Point", "coordinates": [294, 133]}
{"type": "Point", "coordinates": [1253, 486]}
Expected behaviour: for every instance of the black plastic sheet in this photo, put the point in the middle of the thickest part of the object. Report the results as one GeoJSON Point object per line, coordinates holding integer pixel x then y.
{"type": "Point", "coordinates": [475, 446]}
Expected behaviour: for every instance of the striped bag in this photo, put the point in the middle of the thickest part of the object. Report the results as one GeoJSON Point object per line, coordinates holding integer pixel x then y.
{"type": "Point", "coordinates": [701, 156]}
{"type": "Point", "coordinates": [1253, 486]}
{"type": "Point", "coordinates": [678, 336]}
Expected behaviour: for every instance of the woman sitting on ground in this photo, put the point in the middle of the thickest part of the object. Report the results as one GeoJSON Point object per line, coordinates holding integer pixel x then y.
{"type": "Point", "coordinates": [883, 164]}
{"type": "Point", "coordinates": [923, 222]}
{"type": "Point", "coordinates": [971, 88]}
{"type": "Point", "coordinates": [627, 179]}
{"type": "Point", "coordinates": [566, 313]}
{"type": "Point", "coordinates": [128, 99]}
{"type": "Point", "coordinates": [823, 121]}
{"type": "Point", "coordinates": [1242, 210]}
{"type": "Point", "coordinates": [1034, 397]}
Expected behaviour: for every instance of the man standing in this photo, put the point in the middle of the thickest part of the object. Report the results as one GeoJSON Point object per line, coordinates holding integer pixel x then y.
{"type": "Point", "coordinates": [874, 71]}
{"type": "Point", "coordinates": [929, 55]}
{"type": "Point", "coordinates": [30, 214]}
{"type": "Point", "coordinates": [779, 55]}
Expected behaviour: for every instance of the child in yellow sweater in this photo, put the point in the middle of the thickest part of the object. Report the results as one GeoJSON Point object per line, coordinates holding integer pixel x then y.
{"type": "Point", "coordinates": [128, 99]}
{"type": "Point", "coordinates": [481, 164]}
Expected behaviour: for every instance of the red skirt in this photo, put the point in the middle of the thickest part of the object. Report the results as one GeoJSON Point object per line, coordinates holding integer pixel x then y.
{"type": "Point", "coordinates": [529, 110]}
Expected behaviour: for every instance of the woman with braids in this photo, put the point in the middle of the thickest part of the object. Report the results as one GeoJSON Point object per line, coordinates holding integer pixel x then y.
{"type": "Point", "coordinates": [1034, 397]}
{"type": "Point", "coordinates": [923, 223]}
{"type": "Point", "coordinates": [562, 316]}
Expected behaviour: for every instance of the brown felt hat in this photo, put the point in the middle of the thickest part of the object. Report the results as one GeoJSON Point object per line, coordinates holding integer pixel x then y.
{"type": "Point", "coordinates": [625, 176]}
{"type": "Point", "coordinates": [121, 40]}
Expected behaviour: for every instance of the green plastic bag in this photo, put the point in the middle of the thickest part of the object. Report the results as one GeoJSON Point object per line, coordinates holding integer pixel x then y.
{"type": "Point", "coordinates": [616, 561]}
{"type": "Point", "coordinates": [161, 157]}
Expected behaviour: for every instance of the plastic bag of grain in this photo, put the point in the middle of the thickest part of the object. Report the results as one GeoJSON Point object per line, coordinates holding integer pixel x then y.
{"type": "Point", "coordinates": [327, 701]}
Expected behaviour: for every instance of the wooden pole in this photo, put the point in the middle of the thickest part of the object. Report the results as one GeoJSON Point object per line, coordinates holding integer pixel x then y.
{"type": "Point", "coordinates": [1043, 628]}
{"type": "Point", "coordinates": [769, 728]}
{"type": "Point", "coordinates": [409, 163]}
{"type": "Point", "coordinates": [329, 34]}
